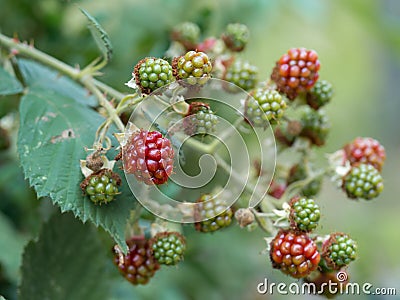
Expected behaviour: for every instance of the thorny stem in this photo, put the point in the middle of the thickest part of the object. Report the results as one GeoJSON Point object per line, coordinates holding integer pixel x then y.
{"type": "Point", "coordinates": [88, 83]}
{"type": "Point", "coordinates": [218, 141]}
{"type": "Point", "coordinates": [250, 188]}
{"type": "Point", "coordinates": [83, 77]}
{"type": "Point", "coordinates": [297, 185]}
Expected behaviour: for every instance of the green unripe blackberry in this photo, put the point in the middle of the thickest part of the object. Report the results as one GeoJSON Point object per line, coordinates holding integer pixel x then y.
{"type": "Point", "coordinates": [320, 94]}
{"type": "Point", "coordinates": [152, 73]}
{"type": "Point", "coordinates": [236, 36]}
{"type": "Point", "coordinates": [304, 214]}
{"type": "Point", "coordinates": [102, 186]}
{"type": "Point", "coordinates": [211, 214]}
{"type": "Point", "coordinates": [200, 119]}
{"type": "Point", "coordinates": [186, 33]}
{"type": "Point", "coordinates": [194, 66]}
{"type": "Point", "coordinates": [168, 247]}
{"type": "Point", "coordinates": [315, 125]}
{"type": "Point", "coordinates": [264, 107]}
{"type": "Point", "coordinates": [363, 181]}
{"type": "Point", "coordinates": [297, 173]}
{"type": "Point", "coordinates": [339, 251]}
{"type": "Point", "coordinates": [242, 74]}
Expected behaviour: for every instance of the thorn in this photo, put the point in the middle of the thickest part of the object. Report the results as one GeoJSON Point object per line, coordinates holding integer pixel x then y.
{"type": "Point", "coordinates": [15, 38]}
{"type": "Point", "coordinates": [13, 52]}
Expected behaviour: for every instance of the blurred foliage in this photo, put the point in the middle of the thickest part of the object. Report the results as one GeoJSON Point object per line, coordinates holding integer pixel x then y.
{"type": "Point", "coordinates": [359, 46]}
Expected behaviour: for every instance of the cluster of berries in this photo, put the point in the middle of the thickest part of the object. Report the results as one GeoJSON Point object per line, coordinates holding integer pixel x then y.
{"type": "Point", "coordinates": [292, 101]}
{"type": "Point", "coordinates": [366, 157]}
{"type": "Point", "coordinates": [296, 254]}
{"type": "Point", "coordinates": [145, 256]}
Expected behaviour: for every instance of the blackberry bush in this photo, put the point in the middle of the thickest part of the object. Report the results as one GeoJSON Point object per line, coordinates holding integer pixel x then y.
{"type": "Point", "coordinates": [261, 138]}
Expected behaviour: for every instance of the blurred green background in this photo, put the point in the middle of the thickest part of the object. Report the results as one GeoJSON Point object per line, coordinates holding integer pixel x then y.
{"type": "Point", "coordinates": [358, 42]}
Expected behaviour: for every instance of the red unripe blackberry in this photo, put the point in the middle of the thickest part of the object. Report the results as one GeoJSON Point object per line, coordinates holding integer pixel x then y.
{"type": "Point", "coordinates": [207, 45]}
{"type": "Point", "coordinates": [296, 71]}
{"type": "Point", "coordinates": [277, 189]}
{"type": "Point", "coordinates": [139, 265]}
{"type": "Point", "coordinates": [365, 150]}
{"type": "Point", "coordinates": [294, 253]}
{"type": "Point", "coordinates": [149, 156]}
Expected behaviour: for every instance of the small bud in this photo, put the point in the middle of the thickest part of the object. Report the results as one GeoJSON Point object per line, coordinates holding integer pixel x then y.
{"type": "Point", "coordinates": [244, 216]}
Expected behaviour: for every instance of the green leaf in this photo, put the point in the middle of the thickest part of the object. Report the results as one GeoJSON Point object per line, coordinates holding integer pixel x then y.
{"type": "Point", "coordinates": [54, 130]}
{"type": "Point", "coordinates": [100, 36]}
{"type": "Point", "coordinates": [66, 262]}
{"type": "Point", "coordinates": [11, 245]}
{"type": "Point", "coordinates": [9, 85]}
{"type": "Point", "coordinates": [35, 74]}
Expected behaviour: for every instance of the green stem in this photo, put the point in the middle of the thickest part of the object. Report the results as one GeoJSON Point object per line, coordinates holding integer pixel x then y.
{"type": "Point", "coordinates": [249, 188]}
{"type": "Point", "coordinates": [213, 147]}
{"type": "Point", "coordinates": [127, 101]}
{"type": "Point", "coordinates": [297, 185]}
{"type": "Point", "coordinates": [88, 83]}
{"type": "Point", "coordinates": [109, 90]}
{"type": "Point", "coordinates": [83, 78]}
{"type": "Point", "coordinates": [75, 74]}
